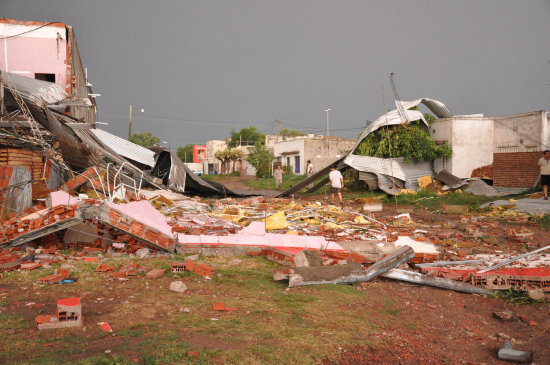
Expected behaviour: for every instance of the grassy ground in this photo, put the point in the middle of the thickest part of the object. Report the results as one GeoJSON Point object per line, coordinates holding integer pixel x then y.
{"type": "Point", "coordinates": [269, 183]}
{"type": "Point", "coordinates": [271, 325]}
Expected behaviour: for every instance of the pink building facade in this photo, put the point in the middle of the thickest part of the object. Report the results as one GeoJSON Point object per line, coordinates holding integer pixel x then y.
{"type": "Point", "coordinates": [46, 51]}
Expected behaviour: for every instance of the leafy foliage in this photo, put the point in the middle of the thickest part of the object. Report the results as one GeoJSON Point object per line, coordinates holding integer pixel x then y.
{"type": "Point", "coordinates": [185, 153]}
{"type": "Point", "coordinates": [145, 139]}
{"type": "Point", "coordinates": [260, 158]}
{"type": "Point", "coordinates": [409, 141]}
{"type": "Point", "coordinates": [246, 137]}
{"type": "Point", "coordinates": [291, 133]}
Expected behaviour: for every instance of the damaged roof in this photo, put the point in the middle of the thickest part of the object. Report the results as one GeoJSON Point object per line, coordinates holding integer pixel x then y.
{"type": "Point", "coordinates": [125, 148]}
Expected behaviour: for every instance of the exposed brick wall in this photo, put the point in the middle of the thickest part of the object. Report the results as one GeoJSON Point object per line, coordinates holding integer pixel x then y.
{"type": "Point", "coordinates": [516, 169]}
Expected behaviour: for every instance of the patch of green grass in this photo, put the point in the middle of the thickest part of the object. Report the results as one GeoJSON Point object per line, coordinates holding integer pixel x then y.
{"type": "Point", "coordinates": [411, 326]}
{"type": "Point", "coordinates": [103, 360]}
{"type": "Point", "coordinates": [515, 296]}
{"type": "Point", "coordinates": [543, 221]}
{"type": "Point", "coordinates": [269, 182]}
{"type": "Point", "coordinates": [389, 307]}
{"type": "Point", "coordinates": [431, 200]}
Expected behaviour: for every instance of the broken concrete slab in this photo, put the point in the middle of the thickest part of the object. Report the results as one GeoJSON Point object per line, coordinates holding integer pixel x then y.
{"type": "Point", "coordinates": [178, 286]}
{"type": "Point", "coordinates": [398, 257]}
{"type": "Point", "coordinates": [418, 278]}
{"type": "Point", "coordinates": [507, 353]}
{"type": "Point", "coordinates": [155, 273]}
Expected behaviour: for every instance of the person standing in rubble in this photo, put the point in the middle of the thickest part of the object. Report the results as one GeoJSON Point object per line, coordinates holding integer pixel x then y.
{"type": "Point", "coordinates": [309, 171]}
{"type": "Point", "coordinates": [337, 183]}
{"type": "Point", "coordinates": [544, 163]}
{"type": "Point", "coordinates": [278, 175]}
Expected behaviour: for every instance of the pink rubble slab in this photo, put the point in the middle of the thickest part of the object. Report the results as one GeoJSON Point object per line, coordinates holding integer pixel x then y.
{"type": "Point", "coordinates": [255, 235]}
{"type": "Point", "coordinates": [143, 212]}
{"type": "Point", "coordinates": [62, 198]}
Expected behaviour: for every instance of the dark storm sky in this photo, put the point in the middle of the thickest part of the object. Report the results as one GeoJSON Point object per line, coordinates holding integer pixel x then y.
{"type": "Point", "coordinates": [201, 67]}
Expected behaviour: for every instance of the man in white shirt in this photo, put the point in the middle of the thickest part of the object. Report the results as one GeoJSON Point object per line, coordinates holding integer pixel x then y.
{"type": "Point", "coordinates": [278, 175]}
{"type": "Point", "coordinates": [309, 171]}
{"type": "Point", "coordinates": [544, 163]}
{"type": "Point", "coordinates": [336, 182]}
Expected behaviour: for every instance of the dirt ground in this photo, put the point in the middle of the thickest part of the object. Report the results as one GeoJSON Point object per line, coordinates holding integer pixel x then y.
{"type": "Point", "coordinates": [380, 322]}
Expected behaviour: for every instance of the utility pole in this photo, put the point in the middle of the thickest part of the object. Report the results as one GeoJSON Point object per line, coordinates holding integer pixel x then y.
{"type": "Point", "coordinates": [130, 124]}
{"type": "Point", "coordinates": [141, 110]}
{"type": "Point", "coordinates": [281, 127]}
{"type": "Point", "coordinates": [328, 121]}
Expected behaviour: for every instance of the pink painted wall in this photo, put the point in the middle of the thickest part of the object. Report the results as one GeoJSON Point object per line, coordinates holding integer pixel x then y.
{"type": "Point", "coordinates": [36, 55]}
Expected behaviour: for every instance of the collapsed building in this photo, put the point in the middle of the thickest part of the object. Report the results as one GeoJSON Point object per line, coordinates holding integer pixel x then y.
{"type": "Point", "coordinates": [490, 155]}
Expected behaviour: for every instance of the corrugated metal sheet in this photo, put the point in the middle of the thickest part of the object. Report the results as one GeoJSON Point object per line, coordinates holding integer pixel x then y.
{"type": "Point", "coordinates": [126, 148]}
{"type": "Point", "coordinates": [398, 168]}
{"type": "Point", "coordinates": [449, 179]}
{"type": "Point", "coordinates": [34, 91]}
{"type": "Point", "coordinates": [479, 187]}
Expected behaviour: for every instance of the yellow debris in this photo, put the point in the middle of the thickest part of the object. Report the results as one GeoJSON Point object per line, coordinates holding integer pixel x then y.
{"type": "Point", "coordinates": [276, 221]}
{"type": "Point", "coordinates": [360, 220]}
{"type": "Point", "coordinates": [406, 191]}
{"type": "Point", "coordinates": [313, 222]}
{"type": "Point", "coordinates": [294, 233]}
{"type": "Point", "coordinates": [424, 181]}
{"type": "Point", "coordinates": [330, 225]}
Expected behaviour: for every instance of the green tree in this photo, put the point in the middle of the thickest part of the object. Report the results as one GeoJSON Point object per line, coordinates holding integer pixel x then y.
{"type": "Point", "coordinates": [410, 141]}
{"type": "Point", "coordinates": [145, 139]}
{"type": "Point", "coordinates": [260, 157]}
{"type": "Point", "coordinates": [246, 137]}
{"type": "Point", "coordinates": [185, 153]}
{"type": "Point", "coordinates": [224, 156]}
{"type": "Point", "coordinates": [236, 155]}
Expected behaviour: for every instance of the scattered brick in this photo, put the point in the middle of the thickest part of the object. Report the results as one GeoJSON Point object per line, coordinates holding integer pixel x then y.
{"type": "Point", "coordinates": [220, 306]}
{"type": "Point", "coordinates": [155, 274]}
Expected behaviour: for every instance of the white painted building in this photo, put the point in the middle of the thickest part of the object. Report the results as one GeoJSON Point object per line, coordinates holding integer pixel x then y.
{"type": "Point", "coordinates": [474, 138]}
{"type": "Point", "coordinates": [321, 150]}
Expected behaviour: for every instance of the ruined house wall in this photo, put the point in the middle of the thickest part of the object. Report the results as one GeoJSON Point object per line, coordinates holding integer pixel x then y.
{"type": "Point", "coordinates": [471, 138]}
{"type": "Point", "coordinates": [324, 151]}
{"type": "Point", "coordinates": [521, 132]}
{"type": "Point", "coordinates": [41, 50]}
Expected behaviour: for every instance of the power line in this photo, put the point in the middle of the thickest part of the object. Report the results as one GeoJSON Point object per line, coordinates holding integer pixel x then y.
{"type": "Point", "coordinates": [28, 31]}
{"type": "Point", "coordinates": [156, 117]}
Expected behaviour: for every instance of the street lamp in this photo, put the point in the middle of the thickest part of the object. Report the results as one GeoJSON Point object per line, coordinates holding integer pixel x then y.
{"type": "Point", "coordinates": [131, 117]}
{"type": "Point", "coordinates": [168, 144]}
{"type": "Point", "coordinates": [328, 129]}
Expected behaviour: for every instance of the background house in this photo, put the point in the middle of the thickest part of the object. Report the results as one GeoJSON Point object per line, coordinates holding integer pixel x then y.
{"type": "Point", "coordinates": [512, 144]}
{"type": "Point", "coordinates": [321, 150]}
{"type": "Point", "coordinates": [48, 52]}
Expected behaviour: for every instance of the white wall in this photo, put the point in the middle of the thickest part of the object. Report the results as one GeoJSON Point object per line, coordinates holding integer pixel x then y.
{"type": "Point", "coordinates": [281, 149]}
{"type": "Point", "coordinates": [472, 141]}
{"type": "Point", "coordinates": [521, 132]}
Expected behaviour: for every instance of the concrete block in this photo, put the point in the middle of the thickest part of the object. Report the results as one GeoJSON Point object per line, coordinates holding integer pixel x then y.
{"type": "Point", "coordinates": [178, 286]}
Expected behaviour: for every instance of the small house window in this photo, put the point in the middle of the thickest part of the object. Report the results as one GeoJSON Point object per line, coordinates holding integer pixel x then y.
{"type": "Point", "coordinates": [45, 77]}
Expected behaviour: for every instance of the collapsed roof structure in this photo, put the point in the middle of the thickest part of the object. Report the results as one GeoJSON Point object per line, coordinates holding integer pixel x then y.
{"type": "Point", "coordinates": [33, 119]}
{"type": "Point", "coordinates": [390, 175]}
